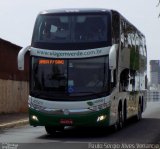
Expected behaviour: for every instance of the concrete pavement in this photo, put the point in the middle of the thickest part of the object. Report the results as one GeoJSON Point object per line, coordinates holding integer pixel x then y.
{"type": "Point", "coordinates": [13, 120]}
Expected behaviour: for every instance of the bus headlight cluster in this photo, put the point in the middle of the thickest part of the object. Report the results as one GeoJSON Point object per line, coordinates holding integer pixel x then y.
{"type": "Point", "coordinates": [101, 118]}
{"type": "Point", "coordinates": [34, 118]}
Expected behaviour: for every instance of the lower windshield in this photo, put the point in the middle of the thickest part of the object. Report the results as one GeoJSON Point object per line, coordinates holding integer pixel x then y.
{"type": "Point", "coordinates": [69, 78]}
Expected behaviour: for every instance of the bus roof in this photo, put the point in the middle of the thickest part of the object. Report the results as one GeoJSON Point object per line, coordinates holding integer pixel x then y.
{"type": "Point", "coordinates": [75, 10]}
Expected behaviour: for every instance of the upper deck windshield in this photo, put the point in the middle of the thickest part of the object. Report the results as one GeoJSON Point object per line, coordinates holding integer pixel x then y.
{"type": "Point", "coordinates": [63, 79]}
{"type": "Point", "coordinates": [63, 29]}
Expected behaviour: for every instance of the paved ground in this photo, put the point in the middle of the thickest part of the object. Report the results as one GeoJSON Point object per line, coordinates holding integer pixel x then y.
{"type": "Point", "coordinates": [12, 120]}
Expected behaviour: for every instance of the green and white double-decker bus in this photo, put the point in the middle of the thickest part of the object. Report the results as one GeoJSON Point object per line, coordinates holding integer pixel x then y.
{"type": "Point", "coordinates": [87, 68]}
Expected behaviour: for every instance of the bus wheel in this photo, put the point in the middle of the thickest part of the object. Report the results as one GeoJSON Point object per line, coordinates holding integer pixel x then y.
{"type": "Point", "coordinates": [120, 119]}
{"type": "Point", "coordinates": [51, 130]}
{"type": "Point", "coordinates": [139, 114]}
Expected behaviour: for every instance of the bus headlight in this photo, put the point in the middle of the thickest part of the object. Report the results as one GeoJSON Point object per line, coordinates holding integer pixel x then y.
{"type": "Point", "coordinates": [101, 118]}
{"type": "Point", "coordinates": [34, 118]}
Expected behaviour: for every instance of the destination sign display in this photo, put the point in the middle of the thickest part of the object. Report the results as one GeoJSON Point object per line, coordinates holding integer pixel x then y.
{"type": "Point", "coordinates": [48, 61]}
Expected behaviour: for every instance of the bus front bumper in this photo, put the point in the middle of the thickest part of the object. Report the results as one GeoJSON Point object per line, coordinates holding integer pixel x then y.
{"type": "Point", "coordinates": [95, 118]}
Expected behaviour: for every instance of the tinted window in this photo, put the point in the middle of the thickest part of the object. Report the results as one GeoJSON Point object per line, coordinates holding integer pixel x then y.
{"type": "Point", "coordinates": [71, 29]}
{"type": "Point", "coordinates": [63, 78]}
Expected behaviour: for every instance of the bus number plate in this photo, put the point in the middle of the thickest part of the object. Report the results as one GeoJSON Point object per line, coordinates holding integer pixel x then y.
{"type": "Point", "coordinates": [66, 121]}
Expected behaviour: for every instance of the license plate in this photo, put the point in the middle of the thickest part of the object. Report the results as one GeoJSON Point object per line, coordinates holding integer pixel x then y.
{"type": "Point", "coordinates": [66, 121]}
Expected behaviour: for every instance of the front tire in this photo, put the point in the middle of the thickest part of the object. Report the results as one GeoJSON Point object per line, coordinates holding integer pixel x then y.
{"type": "Point", "coordinates": [120, 120]}
{"type": "Point", "coordinates": [139, 114]}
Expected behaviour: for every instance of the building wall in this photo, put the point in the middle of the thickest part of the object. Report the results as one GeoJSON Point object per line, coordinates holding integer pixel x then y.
{"type": "Point", "coordinates": [153, 95]}
{"type": "Point", "coordinates": [154, 78]}
{"type": "Point", "coordinates": [13, 96]}
{"type": "Point", "coordinates": [155, 72]}
{"type": "Point", "coordinates": [14, 88]}
{"type": "Point", "coordinates": [8, 62]}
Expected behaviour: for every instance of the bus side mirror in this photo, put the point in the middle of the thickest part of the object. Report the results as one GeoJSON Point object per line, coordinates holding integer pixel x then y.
{"type": "Point", "coordinates": [113, 60]}
{"type": "Point", "coordinates": [20, 57]}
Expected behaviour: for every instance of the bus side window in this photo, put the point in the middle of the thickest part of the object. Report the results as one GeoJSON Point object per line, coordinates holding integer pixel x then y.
{"type": "Point", "coordinates": [124, 80]}
{"type": "Point", "coordinates": [132, 79]}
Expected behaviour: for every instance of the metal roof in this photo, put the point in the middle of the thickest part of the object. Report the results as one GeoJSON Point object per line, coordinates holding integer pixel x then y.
{"type": "Point", "coordinates": [75, 10]}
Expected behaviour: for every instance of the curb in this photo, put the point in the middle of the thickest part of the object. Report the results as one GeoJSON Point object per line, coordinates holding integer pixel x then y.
{"type": "Point", "coordinates": [14, 123]}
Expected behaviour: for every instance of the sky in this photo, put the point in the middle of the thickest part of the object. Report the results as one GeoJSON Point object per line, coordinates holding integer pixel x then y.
{"type": "Point", "coordinates": [17, 18]}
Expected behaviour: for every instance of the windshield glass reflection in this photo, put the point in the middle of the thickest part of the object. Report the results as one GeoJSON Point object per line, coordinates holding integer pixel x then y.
{"type": "Point", "coordinates": [69, 77]}
{"type": "Point", "coordinates": [69, 29]}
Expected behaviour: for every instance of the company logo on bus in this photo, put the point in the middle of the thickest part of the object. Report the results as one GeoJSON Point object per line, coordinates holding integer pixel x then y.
{"type": "Point", "coordinates": [65, 111]}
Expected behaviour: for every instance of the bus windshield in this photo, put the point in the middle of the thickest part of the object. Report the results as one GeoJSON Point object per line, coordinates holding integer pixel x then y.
{"type": "Point", "coordinates": [80, 77]}
{"type": "Point", "coordinates": [82, 28]}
